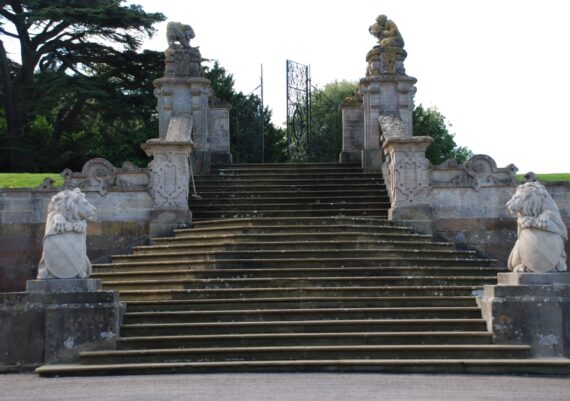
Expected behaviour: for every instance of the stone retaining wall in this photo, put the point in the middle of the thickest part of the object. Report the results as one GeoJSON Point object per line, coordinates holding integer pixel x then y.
{"type": "Point", "coordinates": [479, 219]}
{"type": "Point", "coordinates": [122, 222]}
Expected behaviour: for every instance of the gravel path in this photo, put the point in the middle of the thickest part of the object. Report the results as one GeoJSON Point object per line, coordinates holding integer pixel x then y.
{"type": "Point", "coordinates": [281, 387]}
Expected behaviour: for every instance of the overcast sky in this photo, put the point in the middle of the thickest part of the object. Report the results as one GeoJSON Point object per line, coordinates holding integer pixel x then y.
{"type": "Point", "coordinates": [497, 69]}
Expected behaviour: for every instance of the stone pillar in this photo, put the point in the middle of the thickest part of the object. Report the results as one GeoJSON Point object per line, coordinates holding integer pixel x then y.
{"type": "Point", "coordinates": [169, 183]}
{"type": "Point", "coordinates": [408, 173]}
{"type": "Point", "coordinates": [187, 96]}
{"type": "Point", "coordinates": [531, 309]}
{"type": "Point", "coordinates": [184, 91]}
{"type": "Point", "coordinates": [219, 129]}
{"type": "Point", "coordinates": [352, 130]}
{"type": "Point", "coordinates": [387, 92]}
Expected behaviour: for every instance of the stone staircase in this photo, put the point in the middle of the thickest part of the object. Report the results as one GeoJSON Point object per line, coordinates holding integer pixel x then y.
{"type": "Point", "coordinates": [296, 268]}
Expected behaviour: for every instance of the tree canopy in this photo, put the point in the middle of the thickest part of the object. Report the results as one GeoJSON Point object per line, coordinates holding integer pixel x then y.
{"type": "Point", "coordinates": [78, 66]}
{"type": "Point", "coordinates": [248, 122]}
{"type": "Point", "coordinates": [430, 122]}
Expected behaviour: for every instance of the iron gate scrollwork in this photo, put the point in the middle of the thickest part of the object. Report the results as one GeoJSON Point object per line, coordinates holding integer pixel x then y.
{"type": "Point", "coordinates": [298, 112]}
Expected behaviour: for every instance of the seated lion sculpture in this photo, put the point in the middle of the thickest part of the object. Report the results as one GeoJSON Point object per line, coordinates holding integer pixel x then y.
{"type": "Point", "coordinates": [181, 33]}
{"type": "Point", "coordinates": [541, 231]}
{"type": "Point", "coordinates": [65, 240]}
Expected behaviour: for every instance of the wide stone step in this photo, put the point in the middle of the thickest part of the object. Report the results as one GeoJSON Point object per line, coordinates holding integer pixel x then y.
{"type": "Point", "coordinates": [286, 282]}
{"type": "Point", "coordinates": [215, 239]}
{"type": "Point", "coordinates": [347, 186]}
{"type": "Point", "coordinates": [193, 255]}
{"type": "Point", "coordinates": [292, 263]}
{"type": "Point", "coordinates": [300, 303]}
{"type": "Point", "coordinates": [236, 229]}
{"type": "Point", "coordinates": [289, 292]}
{"type": "Point", "coordinates": [409, 351]}
{"type": "Point", "coordinates": [300, 176]}
{"type": "Point", "coordinates": [253, 315]}
{"type": "Point", "coordinates": [297, 221]}
{"type": "Point", "coordinates": [259, 207]}
{"type": "Point", "coordinates": [304, 339]}
{"type": "Point", "coordinates": [230, 246]}
{"type": "Point", "coordinates": [209, 201]}
{"type": "Point", "coordinates": [221, 193]}
{"type": "Point", "coordinates": [276, 167]}
{"type": "Point", "coordinates": [229, 172]}
{"type": "Point", "coordinates": [234, 214]}
{"type": "Point", "coordinates": [183, 274]}
{"type": "Point", "coordinates": [304, 326]}
{"type": "Point", "coordinates": [550, 366]}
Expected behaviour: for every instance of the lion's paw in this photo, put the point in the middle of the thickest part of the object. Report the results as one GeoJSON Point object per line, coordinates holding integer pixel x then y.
{"type": "Point", "coordinates": [59, 223]}
{"type": "Point", "coordinates": [520, 269]}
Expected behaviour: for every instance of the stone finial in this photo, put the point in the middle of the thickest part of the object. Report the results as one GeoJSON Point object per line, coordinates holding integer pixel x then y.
{"type": "Point", "coordinates": [387, 33]}
{"type": "Point", "coordinates": [541, 231]}
{"type": "Point", "coordinates": [178, 32]}
{"type": "Point", "coordinates": [388, 56]}
{"type": "Point", "coordinates": [182, 60]}
{"type": "Point", "coordinates": [65, 241]}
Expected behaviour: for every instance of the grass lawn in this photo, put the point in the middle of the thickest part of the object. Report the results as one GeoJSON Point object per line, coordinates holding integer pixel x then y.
{"type": "Point", "coordinates": [27, 180]}
{"type": "Point", "coordinates": [548, 177]}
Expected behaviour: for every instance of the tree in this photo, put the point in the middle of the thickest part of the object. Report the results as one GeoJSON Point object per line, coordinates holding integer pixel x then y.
{"type": "Point", "coordinates": [326, 120]}
{"type": "Point", "coordinates": [430, 122]}
{"type": "Point", "coordinates": [245, 121]}
{"type": "Point", "coordinates": [69, 50]}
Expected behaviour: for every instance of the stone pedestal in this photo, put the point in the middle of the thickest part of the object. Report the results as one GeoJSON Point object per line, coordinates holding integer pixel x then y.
{"type": "Point", "coordinates": [408, 172]}
{"type": "Point", "coordinates": [219, 129]}
{"type": "Point", "coordinates": [532, 309]}
{"type": "Point", "coordinates": [169, 182]}
{"type": "Point", "coordinates": [352, 130]}
{"type": "Point", "coordinates": [383, 96]}
{"type": "Point", "coordinates": [55, 320]}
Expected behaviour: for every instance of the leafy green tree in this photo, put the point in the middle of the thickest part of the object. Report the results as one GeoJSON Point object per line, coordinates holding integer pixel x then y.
{"type": "Point", "coordinates": [246, 121]}
{"type": "Point", "coordinates": [430, 122]}
{"type": "Point", "coordinates": [326, 120]}
{"type": "Point", "coordinates": [78, 61]}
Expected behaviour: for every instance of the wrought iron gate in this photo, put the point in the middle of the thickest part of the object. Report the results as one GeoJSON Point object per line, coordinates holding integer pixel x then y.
{"type": "Point", "coordinates": [298, 112]}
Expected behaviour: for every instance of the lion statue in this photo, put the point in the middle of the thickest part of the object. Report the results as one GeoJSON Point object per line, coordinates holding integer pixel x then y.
{"type": "Point", "coordinates": [65, 241]}
{"type": "Point", "coordinates": [541, 232]}
{"type": "Point", "coordinates": [181, 33]}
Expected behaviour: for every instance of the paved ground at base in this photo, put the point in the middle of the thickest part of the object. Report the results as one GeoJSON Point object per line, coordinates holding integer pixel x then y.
{"type": "Point", "coordinates": [280, 387]}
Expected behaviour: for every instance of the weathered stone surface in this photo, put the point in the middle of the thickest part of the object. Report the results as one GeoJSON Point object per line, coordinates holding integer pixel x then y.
{"type": "Point", "coordinates": [409, 170]}
{"type": "Point", "coordinates": [169, 172]}
{"type": "Point", "coordinates": [45, 327]}
{"type": "Point", "coordinates": [163, 221]}
{"type": "Point", "coordinates": [537, 315]}
{"type": "Point", "coordinates": [63, 285]}
{"type": "Point", "coordinates": [389, 55]}
{"type": "Point", "coordinates": [219, 131]}
{"type": "Point", "coordinates": [480, 171]}
{"type": "Point", "coordinates": [352, 131]}
{"type": "Point", "coordinates": [100, 175]}
{"type": "Point", "coordinates": [65, 241]}
{"type": "Point", "coordinates": [541, 231]}
{"type": "Point", "coordinates": [533, 279]}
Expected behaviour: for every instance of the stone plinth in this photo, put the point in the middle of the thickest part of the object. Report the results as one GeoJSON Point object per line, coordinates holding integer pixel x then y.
{"type": "Point", "coordinates": [408, 173]}
{"type": "Point", "coordinates": [63, 285]}
{"type": "Point", "coordinates": [219, 129]}
{"type": "Point", "coordinates": [352, 130]}
{"type": "Point", "coordinates": [386, 60]}
{"type": "Point", "coordinates": [170, 177]}
{"type": "Point", "coordinates": [530, 308]}
{"type": "Point", "coordinates": [55, 320]}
